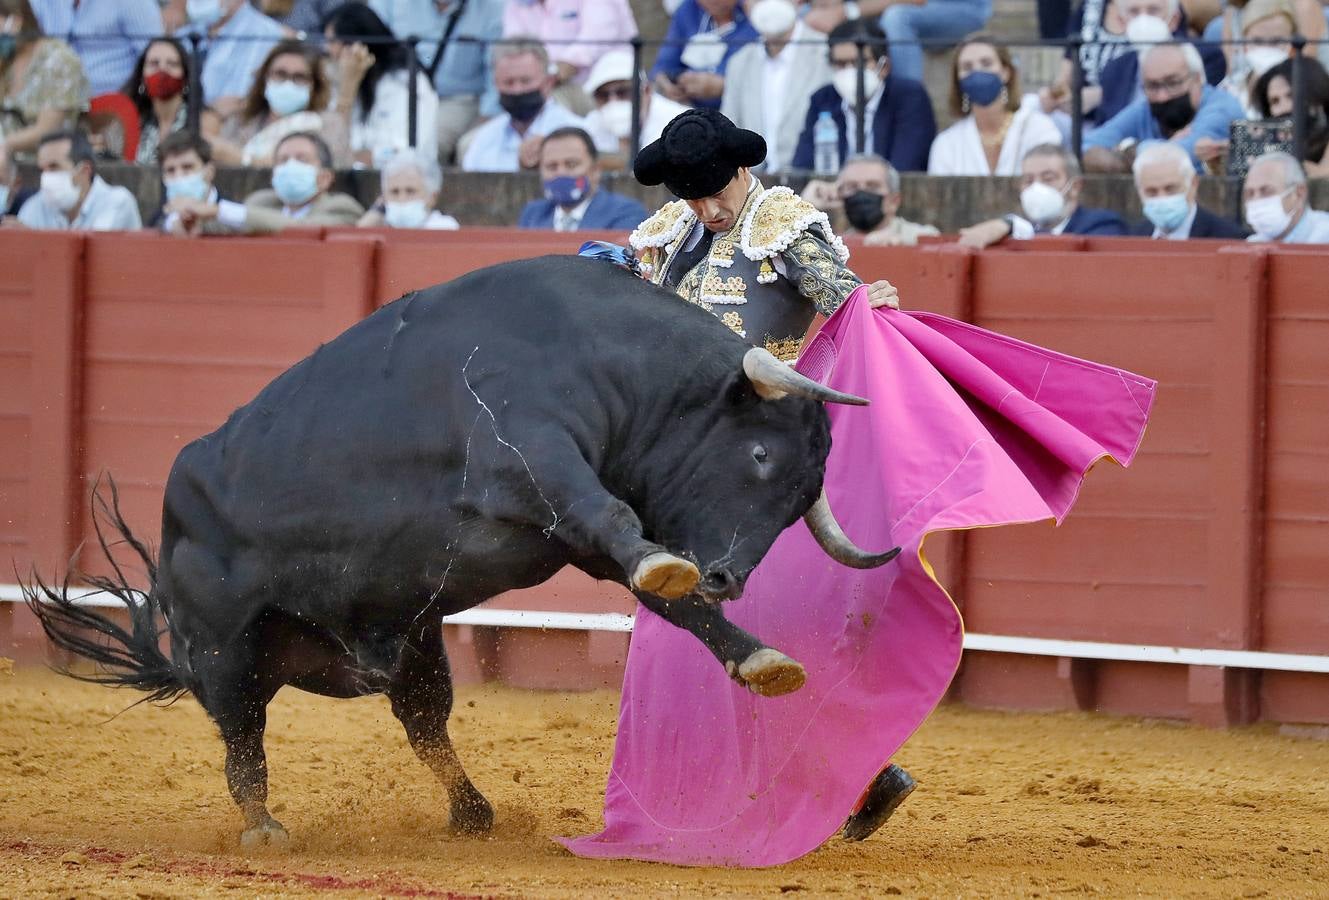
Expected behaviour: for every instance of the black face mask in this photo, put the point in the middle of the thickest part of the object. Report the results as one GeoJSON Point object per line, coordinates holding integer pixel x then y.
{"type": "Point", "coordinates": [1173, 115]}
{"type": "Point", "coordinates": [863, 210]}
{"type": "Point", "coordinates": [522, 107]}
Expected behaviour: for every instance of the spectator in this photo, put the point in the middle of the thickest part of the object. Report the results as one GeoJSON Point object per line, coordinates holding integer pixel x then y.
{"type": "Point", "coordinates": [158, 87]}
{"type": "Point", "coordinates": [1278, 203]}
{"type": "Point", "coordinates": [868, 192]}
{"type": "Point", "coordinates": [42, 85]}
{"type": "Point", "coordinates": [187, 176]}
{"type": "Point", "coordinates": [411, 182]}
{"type": "Point", "coordinates": [108, 37]}
{"type": "Point", "coordinates": [1167, 185]}
{"type": "Point", "coordinates": [1103, 36]}
{"type": "Point", "coordinates": [1309, 23]}
{"type": "Point", "coordinates": [703, 35]}
{"type": "Point", "coordinates": [289, 94]}
{"type": "Point", "coordinates": [997, 130]}
{"type": "Point", "coordinates": [610, 88]}
{"type": "Point", "coordinates": [373, 87]}
{"type": "Point", "coordinates": [461, 76]}
{"type": "Point", "coordinates": [73, 197]}
{"type": "Point", "coordinates": [1272, 96]}
{"type": "Point", "coordinates": [908, 23]}
{"type": "Point", "coordinates": [300, 196]}
{"type": "Point", "coordinates": [511, 141]}
{"type": "Point", "coordinates": [12, 195]}
{"type": "Point", "coordinates": [303, 17]}
{"type": "Point", "coordinates": [558, 24]}
{"type": "Point", "coordinates": [1050, 200]}
{"type": "Point", "coordinates": [897, 118]}
{"type": "Point", "coordinates": [1177, 105]}
{"type": "Point", "coordinates": [768, 85]}
{"type": "Point", "coordinates": [236, 38]}
{"type": "Point", "coordinates": [573, 201]}
{"type": "Point", "coordinates": [1147, 23]}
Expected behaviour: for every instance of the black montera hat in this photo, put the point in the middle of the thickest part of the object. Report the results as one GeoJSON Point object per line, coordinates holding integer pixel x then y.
{"type": "Point", "coordinates": [698, 154]}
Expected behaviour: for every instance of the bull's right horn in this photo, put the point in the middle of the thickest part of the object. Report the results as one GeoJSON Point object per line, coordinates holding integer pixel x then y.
{"type": "Point", "coordinates": [821, 522]}
{"type": "Point", "coordinates": [773, 379]}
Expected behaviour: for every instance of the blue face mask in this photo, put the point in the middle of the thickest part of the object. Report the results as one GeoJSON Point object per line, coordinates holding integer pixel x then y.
{"type": "Point", "coordinates": [567, 191]}
{"type": "Point", "coordinates": [286, 97]}
{"type": "Point", "coordinates": [981, 87]}
{"type": "Point", "coordinates": [1167, 212]}
{"type": "Point", "coordinates": [4, 199]}
{"type": "Point", "coordinates": [295, 182]}
{"type": "Point", "coordinates": [192, 186]}
{"type": "Point", "coordinates": [8, 46]}
{"type": "Point", "coordinates": [203, 12]}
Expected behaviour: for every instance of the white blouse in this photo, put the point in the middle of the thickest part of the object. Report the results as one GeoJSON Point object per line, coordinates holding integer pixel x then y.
{"type": "Point", "coordinates": [959, 150]}
{"type": "Point", "coordinates": [384, 131]}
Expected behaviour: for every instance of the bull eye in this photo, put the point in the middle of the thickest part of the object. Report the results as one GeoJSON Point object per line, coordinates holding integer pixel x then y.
{"type": "Point", "coordinates": [759, 453]}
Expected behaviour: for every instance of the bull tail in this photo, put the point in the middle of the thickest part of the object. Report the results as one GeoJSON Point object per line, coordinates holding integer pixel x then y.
{"type": "Point", "coordinates": [123, 658]}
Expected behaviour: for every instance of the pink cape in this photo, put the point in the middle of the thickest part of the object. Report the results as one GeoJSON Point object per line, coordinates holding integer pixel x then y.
{"type": "Point", "coordinates": [967, 428]}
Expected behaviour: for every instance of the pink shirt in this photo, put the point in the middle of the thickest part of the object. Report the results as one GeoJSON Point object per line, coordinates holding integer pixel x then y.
{"type": "Point", "coordinates": [552, 21]}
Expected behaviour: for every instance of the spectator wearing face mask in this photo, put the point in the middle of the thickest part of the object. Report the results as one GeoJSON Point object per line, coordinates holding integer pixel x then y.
{"type": "Point", "coordinates": [1050, 183]}
{"type": "Point", "coordinates": [1167, 185]}
{"type": "Point", "coordinates": [187, 181]}
{"type": "Point", "coordinates": [703, 35]}
{"type": "Point", "coordinates": [289, 94]}
{"type": "Point", "coordinates": [300, 197]}
{"type": "Point", "coordinates": [996, 128]}
{"type": "Point", "coordinates": [867, 191]}
{"type": "Point", "coordinates": [769, 85]}
{"type": "Point", "coordinates": [511, 142]}
{"type": "Point", "coordinates": [561, 25]}
{"type": "Point", "coordinates": [573, 200]}
{"type": "Point", "coordinates": [1177, 106]}
{"type": "Point", "coordinates": [73, 197]}
{"type": "Point", "coordinates": [235, 39]}
{"type": "Point", "coordinates": [42, 85]}
{"type": "Point", "coordinates": [1272, 95]}
{"type": "Point", "coordinates": [1309, 22]}
{"type": "Point", "coordinates": [610, 87]}
{"type": "Point", "coordinates": [1278, 203]}
{"type": "Point", "coordinates": [107, 36]}
{"type": "Point", "coordinates": [411, 182]}
{"type": "Point", "coordinates": [898, 124]}
{"type": "Point", "coordinates": [158, 87]}
{"type": "Point", "coordinates": [1269, 26]}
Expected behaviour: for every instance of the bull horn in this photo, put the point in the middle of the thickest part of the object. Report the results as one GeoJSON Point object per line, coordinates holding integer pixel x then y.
{"type": "Point", "coordinates": [773, 379]}
{"type": "Point", "coordinates": [827, 531]}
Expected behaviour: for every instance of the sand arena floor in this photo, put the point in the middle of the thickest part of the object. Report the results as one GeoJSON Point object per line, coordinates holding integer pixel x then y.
{"type": "Point", "coordinates": [1023, 805]}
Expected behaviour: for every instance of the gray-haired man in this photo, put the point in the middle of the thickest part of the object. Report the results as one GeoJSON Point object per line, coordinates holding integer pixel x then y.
{"type": "Point", "coordinates": [1278, 203]}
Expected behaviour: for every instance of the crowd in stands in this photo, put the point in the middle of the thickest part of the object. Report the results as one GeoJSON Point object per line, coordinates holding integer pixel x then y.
{"type": "Point", "coordinates": [1169, 90]}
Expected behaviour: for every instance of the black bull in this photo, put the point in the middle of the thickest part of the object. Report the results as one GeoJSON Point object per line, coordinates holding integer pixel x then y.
{"type": "Point", "coordinates": [463, 441]}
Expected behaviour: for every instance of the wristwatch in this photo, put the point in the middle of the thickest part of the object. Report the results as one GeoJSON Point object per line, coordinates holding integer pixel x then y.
{"type": "Point", "coordinates": [851, 10]}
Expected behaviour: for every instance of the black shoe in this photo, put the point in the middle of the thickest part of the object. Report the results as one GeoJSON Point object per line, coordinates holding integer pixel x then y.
{"type": "Point", "coordinates": [886, 792]}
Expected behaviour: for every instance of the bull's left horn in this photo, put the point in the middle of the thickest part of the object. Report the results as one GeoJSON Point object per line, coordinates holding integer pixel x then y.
{"type": "Point", "coordinates": [773, 379]}
{"type": "Point", "coordinates": [827, 531]}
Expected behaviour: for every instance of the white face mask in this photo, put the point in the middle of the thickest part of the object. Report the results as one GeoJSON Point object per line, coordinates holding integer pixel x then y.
{"type": "Point", "coordinates": [58, 189]}
{"type": "Point", "coordinates": [1043, 204]}
{"type": "Point", "coordinates": [616, 117]}
{"type": "Point", "coordinates": [846, 83]}
{"type": "Point", "coordinates": [1145, 31]}
{"type": "Point", "coordinates": [1261, 59]}
{"type": "Point", "coordinates": [1267, 217]}
{"type": "Point", "coordinates": [772, 18]}
{"type": "Point", "coordinates": [704, 52]}
{"type": "Point", "coordinates": [411, 214]}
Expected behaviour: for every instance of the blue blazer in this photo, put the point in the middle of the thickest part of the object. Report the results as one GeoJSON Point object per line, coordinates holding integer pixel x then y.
{"type": "Point", "coordinates": [1120, 80]}
{"type": "Point", "coordinates": [1086, 220]}
{"type": "Point", "coordinates": [1206, 225]}
{"type": "Point", "coordinates": [607, 210]}
{"type": "Point", "coordinates": [902, 130]}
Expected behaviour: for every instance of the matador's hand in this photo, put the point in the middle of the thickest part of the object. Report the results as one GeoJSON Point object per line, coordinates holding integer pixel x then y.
{"type": "Point", "coordinates": [883, 293]}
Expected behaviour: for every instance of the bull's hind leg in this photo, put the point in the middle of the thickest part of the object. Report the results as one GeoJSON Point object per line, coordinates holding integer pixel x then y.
{"type": "Point", "coordinates": [763, 670]}
{"type": "Point", "coordinates": [421, 695]}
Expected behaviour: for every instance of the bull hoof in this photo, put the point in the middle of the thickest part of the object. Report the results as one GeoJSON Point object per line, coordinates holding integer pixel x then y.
{"type": "Point", "coordinates": [770, 673]}
{"type": "Point", "coordinates": [270, 835]}
{"type": "Point", "coordinates": [883, 796]}
{"type": "Point", "coordinates": [472, 816]}
{"type": "Point", "coordinates": [665, 575]}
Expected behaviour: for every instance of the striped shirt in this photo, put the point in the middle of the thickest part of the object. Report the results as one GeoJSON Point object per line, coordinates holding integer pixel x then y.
{"type": "Point", "coordinates": [107, 35]}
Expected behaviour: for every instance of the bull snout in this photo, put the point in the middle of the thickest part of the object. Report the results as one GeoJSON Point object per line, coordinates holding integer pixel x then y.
{"type": "Point", "coordinates": [720, 584]}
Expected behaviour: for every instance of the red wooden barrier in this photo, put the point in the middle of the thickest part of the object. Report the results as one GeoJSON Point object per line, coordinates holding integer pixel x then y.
{"type": "Point", "coordinates": [116, 350]}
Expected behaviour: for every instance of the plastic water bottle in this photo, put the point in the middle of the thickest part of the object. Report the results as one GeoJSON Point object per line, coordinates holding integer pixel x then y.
{"type": "Point", "coordinates": [825, 145]}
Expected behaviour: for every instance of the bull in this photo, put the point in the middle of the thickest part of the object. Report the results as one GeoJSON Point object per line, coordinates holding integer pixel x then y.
{"type": "Point", "coordinates": [462, 441]}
